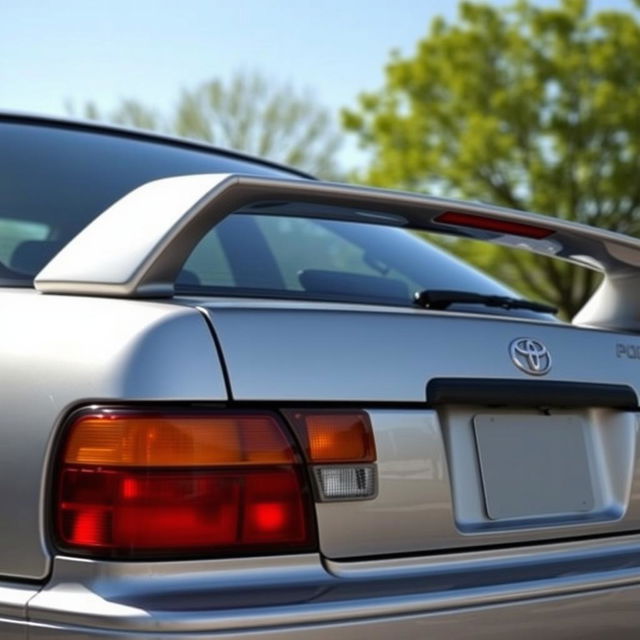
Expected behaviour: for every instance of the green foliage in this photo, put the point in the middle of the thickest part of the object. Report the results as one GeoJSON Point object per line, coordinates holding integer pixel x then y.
{"type": "Point", "coordinates": [529, 107]}
{"type": "Point", "coordinates": [248, 114]}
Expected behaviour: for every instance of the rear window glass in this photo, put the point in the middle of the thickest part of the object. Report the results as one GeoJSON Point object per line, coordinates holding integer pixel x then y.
{"type": "Point", "coordinates": [17, 233]}
{"type": "Point", "coordinates": [315, 259]}
{"type": "Point", "coordinates": [300, 245]}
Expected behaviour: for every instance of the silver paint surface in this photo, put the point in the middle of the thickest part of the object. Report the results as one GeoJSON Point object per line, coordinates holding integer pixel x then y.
{"type": "Point", "coordinates": [429, 484]}
{"type": "Point", "coordinates": [312, 351]}
{"type": "Point", "coordinates": [59, 352]}
{"type": "Point", "coordinates": [587, 586]}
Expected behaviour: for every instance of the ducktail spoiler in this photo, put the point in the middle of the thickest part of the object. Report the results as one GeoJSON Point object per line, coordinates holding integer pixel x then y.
{"type": "Point", "coordinates": [137, 247]}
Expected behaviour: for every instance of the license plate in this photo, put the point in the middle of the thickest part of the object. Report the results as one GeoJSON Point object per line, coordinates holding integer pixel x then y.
{"type": "Point", "coordinates": [533, 465]}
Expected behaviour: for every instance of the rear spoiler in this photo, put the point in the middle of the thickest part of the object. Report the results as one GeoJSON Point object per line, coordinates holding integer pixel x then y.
{"type": "Point", "coordinates": [137, 247]}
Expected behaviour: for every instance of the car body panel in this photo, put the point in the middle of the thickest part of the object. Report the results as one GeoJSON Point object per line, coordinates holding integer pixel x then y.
{"type": "Point", "coordinates": [14, 597]}
{"type": "Point", "coordinates": [375, 354]}
{"type": "Point", "coordinates": [93, 350]}
{"type": "Point", "coordinates": [430, 495]}
{"type": "Point", "coordinates": [430, 492]}
{"type": "Point", "coordinates": [590, 616]}
{"type": "Point", "coordinates": [579, 588]}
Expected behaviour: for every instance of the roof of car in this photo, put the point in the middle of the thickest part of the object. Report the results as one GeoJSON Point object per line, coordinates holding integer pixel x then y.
{"type": "Point", "coordinates": [141, 134]}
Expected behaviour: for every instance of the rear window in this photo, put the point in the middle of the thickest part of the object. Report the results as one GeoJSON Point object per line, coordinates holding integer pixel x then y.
{"type": "Point", "coordinates": [314, 259]}
{"type": "Point", "coordinates": [15, 233]}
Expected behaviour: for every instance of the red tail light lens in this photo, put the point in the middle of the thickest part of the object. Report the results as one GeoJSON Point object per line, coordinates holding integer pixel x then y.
{"type": "Point", "coordinates": [142, 485]}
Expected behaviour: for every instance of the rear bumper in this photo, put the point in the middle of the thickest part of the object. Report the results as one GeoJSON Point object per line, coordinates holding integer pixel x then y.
{"type": "Point", "coordinates": [569, 590]}
{"type": "Point", "coordinates": [610, 613]}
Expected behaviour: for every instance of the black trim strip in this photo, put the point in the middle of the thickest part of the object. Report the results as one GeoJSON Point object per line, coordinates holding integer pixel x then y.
{"type": "Point", "coordinates": [536, 393]}
{"type": "Point", "coordinates": [221, 359]}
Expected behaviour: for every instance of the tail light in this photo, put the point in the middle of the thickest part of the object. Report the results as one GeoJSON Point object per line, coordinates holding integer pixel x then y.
{"type": "Point", "coordinates": [132, 484]}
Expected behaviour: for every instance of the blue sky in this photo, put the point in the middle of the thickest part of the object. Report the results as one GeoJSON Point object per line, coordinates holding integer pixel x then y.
{"type": "Point", "coordinates": [78, 50]}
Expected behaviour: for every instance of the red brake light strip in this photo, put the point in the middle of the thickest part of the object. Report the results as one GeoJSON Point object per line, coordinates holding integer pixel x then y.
{"type": "Point", "coordinates": [492, 224]}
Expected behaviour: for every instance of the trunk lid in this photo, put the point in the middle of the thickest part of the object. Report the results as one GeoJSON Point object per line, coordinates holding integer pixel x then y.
{"type": "Point", "coordinates": [472, 451]}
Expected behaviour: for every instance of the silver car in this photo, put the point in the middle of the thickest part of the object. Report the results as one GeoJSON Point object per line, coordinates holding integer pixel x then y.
{"type": "Point", "coordinates": [238, 402]}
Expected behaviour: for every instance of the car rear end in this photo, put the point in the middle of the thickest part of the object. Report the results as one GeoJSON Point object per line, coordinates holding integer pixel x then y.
{"type": "Point", "coordinates": [245, 424]}
{"type": "Point", "coordinates": [347, 487]}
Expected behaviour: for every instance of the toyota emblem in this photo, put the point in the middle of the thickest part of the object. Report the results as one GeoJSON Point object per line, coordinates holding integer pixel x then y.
{"type": "Point", "coordinates": [530, 356]}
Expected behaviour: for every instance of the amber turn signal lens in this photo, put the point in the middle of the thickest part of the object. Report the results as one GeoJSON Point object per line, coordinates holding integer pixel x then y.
{"type": "Point", "coordinates": [176, 440]}
{"type": "Point", "coordinates": [335, 436]}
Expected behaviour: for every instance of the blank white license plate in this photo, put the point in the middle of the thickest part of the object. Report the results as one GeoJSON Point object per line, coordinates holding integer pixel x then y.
{"type": "Point", "coordinates": [533, 465]}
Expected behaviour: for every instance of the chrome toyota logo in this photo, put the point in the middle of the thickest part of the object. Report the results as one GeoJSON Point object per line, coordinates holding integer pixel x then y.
{"type": "Point", "coordinates": [530, 356]}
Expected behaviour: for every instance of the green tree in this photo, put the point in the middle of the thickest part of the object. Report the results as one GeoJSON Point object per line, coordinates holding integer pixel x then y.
{"type": "Point", "coordinates": [248, 113]}
{"type": "Point", "coordinates": [532, 108]}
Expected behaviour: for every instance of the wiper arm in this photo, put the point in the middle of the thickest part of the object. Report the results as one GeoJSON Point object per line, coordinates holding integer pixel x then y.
{"type": "Point", "coordinates": [441, 299]}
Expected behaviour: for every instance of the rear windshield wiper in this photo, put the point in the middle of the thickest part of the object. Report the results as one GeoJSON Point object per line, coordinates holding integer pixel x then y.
{"type": "Point", "coordinates": [441, 299]}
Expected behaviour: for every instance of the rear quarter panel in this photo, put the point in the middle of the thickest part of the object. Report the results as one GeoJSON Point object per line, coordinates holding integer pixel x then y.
{"type": "Point", "coordinates": [59, 352]}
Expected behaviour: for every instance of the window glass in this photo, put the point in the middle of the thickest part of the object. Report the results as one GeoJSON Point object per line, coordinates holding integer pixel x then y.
{"type": "Point", "coordinates": [318, 259]}
{"type": "Point", "coordinates": [14, 233]}
{"type": "Point", "coordinates": [301, 244]}
{"type": "Point", "coordinates": [208, 264]}
{"type": "Point", "coordinates": [55, 179]}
